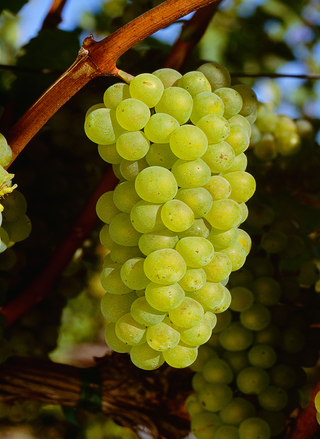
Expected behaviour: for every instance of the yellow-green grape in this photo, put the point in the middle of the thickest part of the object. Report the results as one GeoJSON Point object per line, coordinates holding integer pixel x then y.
{"type": "Point", "coordinates": [266, 147]}
{"type": "Point", "coordinates": [227, 432]}
{"type": "Point", "coordinates": [191, 173]}
{"type": "Point", "coordinates": [105, 207]}
{"type": "Point", "coordinates": [204, 354]}
{"type": "Point", "coordinates": [262, 355]}
{"type": "Point", "coordinates": [159, 127]}
{"type": "Point", "coordinates": [15, 205]}
{"type": "Point", "coordinates": [132, 274]}
{"type": "Point", "coordinates": [235, 337]}
{"type": "Point", "coordinates": [193, 280]}
{"type": "Point", "coordinates": [210, 296]}
{"type": "Point", "coordinates": [205, 424]}
{"type": "Point", "coordinates": [177, 215]}
{"type": "Point", "coordinates": [144, 357]}
{"type": "Point", "coordinates": [194, 82]}
{"type": "Point", "coordinates": [198, 228]}
{"type": "Point", "coordinates": [149, 242]}
{"type": "Point", "coordinates": [156, 184]}
{"type": "Point", "coordinates": [288, 143]}
{"type": "Point", "coordinates": [224, 214]}
{"type": "Point", "coordinates": [215, 396]}
{"type": "Point", "coordinates": [177, 102]}
{"type": "Point", "coordinates": [284, 376]}
{"type": "Point", "coordinates": [217, 75]}
{"type": "Point", "coordinates": [146, 217]}
{"type": "Point", "coordinates": [254, 428]}
{"type": "Point", "coordinates": [219, 157]}
{"type": "Point", "coordinates": [245, 212]}
{"type": "Point", "coordinates": [160, 154]}
{"type": "Point", "coordinates": [243, 185]}
{"type": "Point", "coordinates": [242, 299]}
{"type": "Point", "coordinates": [196, 251]}
{"type": "Point", "coordinates": [114, 306]}
{"type": "Point", "coordinates": [196, 335]}
{"type": "Point", "coordinates": [273, 398]}
{"type": "Point", "coordinates": [109, 154]}
{"type": "Point", "coordinates": [215, 127]}
{"type": "Point", "coordinates": [122, 231]}
{"type": "Point", "coordinates": [232, 101]}
{"type": "Point", "coordinates": [253, 380]}
{"type": "Point", "coordinates": [125, 196]}
{"type": "Point", "coordinates": [132, 145]}
{"type": "Point", "coordinates": [162, 336]}
{"type": "Point", "coordinates": [111, 280]}
{"type": "Point", "coordinates": [206, 103]}
{"type": "Point", "coordinates": [241, 120]}
{"type": "Point", "coordinates": [240, 163]}
{"type": "Point", "coordinates": [101, 126]}
{"type": "Point", "coordinates": [188, 142]}
{"type": "Point", "coordinates": [147, 88]}
{"type": "Point", "coordinates": [218, 187]}
{"type": "Point", "coordinates": [5, 152]}
{"type": "Point", "coordinates": [115, 94]}
{"type": "Point", "coordinates": [167, 76]}
{"type": "Point", "coordinates": [121, 253]}
{"type": "Point", "coordinates": [130, 331]}
{"type": "Point", "coordinates": [217, 370]}
{"type": "Point", "coordinates": [164, 297]}
{"type": "Point", "coordinates": [198, 381]}
{"type": "Point", "coordinates": [317, 402]}
{"type": "Point", "coordinates": [225, 303]}
{"type": "Point", "coordinates": [211, 318]}
{"type": "Point", "coordinates": [237, 255]}
{"type": "Point", "coordinates": [198, 199]}
{"type": "Point", "coordinates": [237, 411]}
{"type": "Point", "coordinates": [132, 114]}
{"type": "Point", "coordinates": [238, 138]}
{"type": "Point", "coordinates": [165, 266]}
{"type": "Point", "coordinates": [181, 355]}
{"type": "Point", "coordinates": [245, 240]}
{"type": "Point", "coordinates": [19, 229]}
{"type": "Point", "coordinates": [255, 318]}
{"type": "Point", "coordinates": [218, 268]}
{"type": "Point", "coordinates": [144, 313]}
{"type": "Point", "coordinates": [250, 101]}
{"type": "Point", "coordinates": [284, 124]}
{"type": "Point", "coordinates": [129, 169]}
{"type": "Point", "coordinates": [269, 335]}
{"type": "Point", "coordinates": [95, 107]}
{"type": "Point", "coordinates": [266, 290]}
{"type": "Point", "coordinates": [113, 341]}
{"type": "Point", "coordinates": [192, 405]}
{"type": "Point", "coordinates": [223, 238]}
{"type": "Point", "coordinates": [187, 314]}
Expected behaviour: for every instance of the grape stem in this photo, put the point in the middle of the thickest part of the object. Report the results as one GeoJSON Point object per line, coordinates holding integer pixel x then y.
{"type": "Point", "coordinates": [53, 17]}
{"type": "Point", "coordinates": [95, 59]}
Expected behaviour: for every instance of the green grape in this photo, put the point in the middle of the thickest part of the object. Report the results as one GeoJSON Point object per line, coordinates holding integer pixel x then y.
{"type": "Point", "coordinates": [273, 398]}
{"type": "Point", "coordinates": [198, 199]}
{"type": "Point", "coordinates": [240, 164]}
{"type": "Point", "coordinates": [198, 334]}
{"type": "Point", "coordinates": [196, 251]}
{"type": "Point", "coordinates": [181, 355]}
{"type": "Point", "coordinates": [117, 172]}
{"type": "Point", "coordinates": [115, 94]}
{"type": "Point", "coordinates": [164, 297]}
{"type": "Point", "coordinates": [160, 154]}
{"type": "Point", "coordinates": [113, 341]}
{"type": "Point", "coordinates": [191, 173]}
{"type": "Point", "coordinates": [15, 205]}
{"type": "Point", "coordinates": [130, 331]}
{"type": "Point", "coordinates": [160, 127]}
{"type": "Point", "coordinates": [211, 296]}
{"type": "Point", "coordinates": [237, 411]}
{"type": "Point", "coordinates": [224, 214]}
{"type": "Point", "coordinates": [292, 340]}
{"type": "Point", "coordinates": [111, 280]}
{"type": "Point", "coordinates": [132, 115]}
{"type": "Point", "coordinates": [242, 277]}
{"type": "Point", "coordinates": [216, 370]}
{"type": "Point", "coordinates": [109, 154]}
{"type": "Point", "coordinates": [122, 231]}
{"type": "Point", "coordinates": [121, 253]}
{"type": "Point", "coordinates": [192, 404]}
{"type": "Point", "coordinates": [235, 337]}
{"type": "Point", "coordinates": [242, 299]}
{"type": "Point", "coordinates": [144, 357]}
{"type": "Point", "coordinates": [215, 127]}
{"type": "Point", "coordinates": [187, 314]}
{"type": "Point", "coordinates": [277, 421]}
{"type": "Point", "coordinates": [274, 241]}
{"type": "Point", "coordinates": [167, 76]}
{"type": "Point", "coordinates": [238, 138]}
{"type": "Point", "coordinates": [205, 424]}
{"type": "Point", "coordinates": [188, 142]}
{"type": "Point", "coordinates": [215, 396]}
{"type": "Point", "coordinates": [284, 124]}
{"type": "Point", "coordinates": [132, 274]}
{"type": "Point", "coordinates": [222, 239]}
{"type": "Point", "coordinates": [237, 255]}
{"type": "Point", "coordinates": [198, 381]}
{"type": "Point", "coordinates": [245, 240]}
{"type": "Point", "coordinates": [149, 242]}
{"type": "Point", "coordinates": [147, 88]}
{"type": "Point", "coordinates": [198, 228]}
{"type": "Point", "coordinates": [219, 268]}
{"type": "Point", "coordinates": [241, 120]}
{"type": "Point", "coordinates": [231, 99]}
{"type": "Point", "coordinates": [114, 306]}
{"type": "Point", "coordinates": [237, 360]}
{"type": "Point", "coordinates": [145, 217]}
{"type": "Point", "coordinates": [254, 428]}
{"type": "Point", "coordinates": [226, 432]}
{"type": "Point", "coordinates": [193, 280]}
{"type": "Point", "coordinates": [204, 354]}
{"type": "Point", "coordinates": [144, 313]}
{"type": "Point", "coordinates": [269, 335]}
{"type": "Point", "coordinates": [265, 148]}
{"type": "Point", "coordinates": [132, 145]}
{"type": "Point", "coordinates": [129, 169]}
{"type": "Point", "coordinates": [125, 196]}
{"type": "Point", "coordinates": [102, 127]}
{"type": "Point", "coordinates": [106, 208]}
{"type": "Point", "coordinates": [165, 266]}
{"type": "Point", "coordinates": [253, 380]}
{"type": "Point", "coordinates": [19, 229]}
{"type": "Point", "coordinates": [156, 184]}
{"type": "Point", "coordinates": [317, 402]}
{"type": "Point", "coordinates": [218, 187]}
{"type": "Point", "coordinates": [4, 240]}
{"type": "Point", "coordinates": [283, 376]}
{"type": "Point", "coordinates": [266, 290]}
{"type": "Point", "coordinates": [249, 98]}
{"type": "Point", "coordinates": [262, 355]}
{"type": "Point", "coordinates": [162, 336]}
{"type": "Point", "coordinates": [223, 320]}
{"type": "Point", "coordinates": [219, 157]}
{"type": "Point", "coordinates": [243, 185]}
{"type": "Point", "coordinates": [177, 102]}
{"type": "Point", "coordinates": [177, 215]}
{"type": "Point", "coordinates": [206, 103]}
{"type": "Point", "coordinates": [255, 318]}
{"type": "Point", "coordinates": [95, 107]}
{"type": "Point", "coordinates": [217, 75]}
{"type": "Point", "coordinates": [194, 82]}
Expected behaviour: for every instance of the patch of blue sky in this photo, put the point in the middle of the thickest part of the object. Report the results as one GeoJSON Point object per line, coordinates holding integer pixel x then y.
{"type": "Point", "coordinates": [170, 34]}
{"type": "Point", "coordinates": [312, 106]}
{"type": "Point", "coordinates": [299, 34]}
{"type": "Point", "coordinates": [289, 85]}
{"type": "Point", "coordinates": [73, 10]}
{"type": "Point", "coordinates": [311, 14]}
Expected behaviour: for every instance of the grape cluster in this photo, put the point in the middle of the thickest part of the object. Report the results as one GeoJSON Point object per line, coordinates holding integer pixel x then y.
{"type": "Point", "coordinates": [172, 223]}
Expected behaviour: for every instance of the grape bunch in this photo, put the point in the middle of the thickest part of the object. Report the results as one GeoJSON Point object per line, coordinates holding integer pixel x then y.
{"type": "Point", "coordinates": [177, 145]}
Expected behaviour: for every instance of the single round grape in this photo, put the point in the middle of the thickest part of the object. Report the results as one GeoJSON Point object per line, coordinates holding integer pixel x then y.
{"type": "Point", "coordinates": [160, 154]}
{"type": "Point", "coordinates": [243, 185]}
{"type": "Point", "coordinates": [132, 114]}
{"type": "Point", "coordinates": [193, 280]}
{"type": "Point", "coordinates": [132, 145]}
{"type": "Point", "coordinates": [219, 157]}
{"type": "Point", "coordinates": [177, 102]}
{"type": "Point", "coordinates": [226, 432]}
{"type": "Point", "coordinates": [167, 76]}
{"type": "Point", "coordinates": [232, 101]}
{"type": "Point", "coordinates": [192, 405]}
{"type": "Point", "coordinates": [235, 337]}
{"type": "Point", "coordinates": [240, 164]}
{"type": "Point", "coordinates": [130, 331]}
{"type": "Point", "coordinates": [113, 341]}
{"type": "Point", "coordinates": [181, 355]}
{"type": "Point", "coordinates": [194, 82]}
{"type": "Point", "coordinates": [242, 299]}
{"type": "Point", "coordinates": [114, 306]}
{"type": "Point", "coordinates": [191, 173]}
{"type": "Point", "coordinates": [162, 336]}
{"type": "Point", "coordinates": [211, 296]}
{"type": "Point", "coordinates": [158, 240]}
{"type": "Point", "coordinates": [204, 354]}
{"type": "Point", "coordinates": [237, 411]}
{"type": "Point", "coordinates": [237, 255]}
{"type": "Point", "coordinates": [249, 98]}
{"type": "Point", "coordinates": [223, 238]}
{"type": "Point", "coordinates": [283, 376]}
{"type": "Point", "coordinates": [164, 297]}
{"type": "Point", "coordinates": [132, 274]}
{"type": "Point", "coordinates": [245, 240]}
{"type": "Point", "coordinates": [224, 214]}
{"type": "Point", "coordinates": [216, 370]}
{"type": "Point", "coordinates": [145, 217]}
{"type": "Point", "coordinates": [269, 335]}
{"type": "Point", "coordinates": [198, 228]}
{"type": "Point", "coordinates": [198, 381]}
{"type": "Point", "coordinates": [196, 335]}
{"type": "Point", "coordinates": [218, 268]}
{"type": "Point", "coordinates": [188, 142]}
{"type": "Point", "coordinates": [144, 357]}
{"type": "Point", "coordinates": [237, 360]}
{"type": "Point", "coordinates": [130, 169]}
{"type": "Point", "coordinates": [254, 428]}
{"type": "Point", "coordinates": [15, 205]}
{"type": "Point", "coordinates": [160, 127]}
{"type": "Point", "coordinates": [217, 75]}
{"type": "Point", "coordinates": [187, 314]}
{"type": "Point", "coordinates": [106, 208]}
{"type": "Point", "coordinates": [196, 251]}
{"type": "Point", "coordinates": [206, 103]}
{"type": "Point", "coordinates": [121, 253]}
{"type": "Point", "coordinates": [238, 138]}
{"type": "Point", "coordinates": [198, 199]}
{"type": "Point", "coordinates": [122, 231]}
{"type": "Point", "coordinates": [115, 94]}
{"type": "Point", "coordinates": [262, 355]}
{"type": "Point", "coordinates": [266, 290]}
{"type": "Point", "coordinates": [111, 280]}
{"type": "Point", "coordinates": [273, 398]}
{"type": "Point", "coordinates": [102, 127]}
{"type": "Point", "coordinates": [255, 318]}
{"type": "Point", "coordinates": [215, 127]}
{"type": "Point", "coordinates": [177, 215]}
{"type": "Point", "coordinates": [147, 88]}
{"type": "Point", "coordinates": [253, 380]}
{"type": "Point", "coordinates": [215, 396]}
{"type": "Point", "coordinates": [218, 187]}
{"type": "Point", "coordinates": [205, 424]}
{"type": "Point", "coordinates": [109, 154]}
{"type": "Point", "coordinates": [156, 184]}
{"type": "Point", "coordinates": [165, 266]}
{"type": "Point", "coordinates": [241, 120]}
{"type": "Point", "coordinates": [144, 313]}
{"type": "Point", "coordinates": [125, 196]}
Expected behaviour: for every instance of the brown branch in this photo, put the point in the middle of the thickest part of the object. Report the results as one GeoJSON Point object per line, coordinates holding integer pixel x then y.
{"type": "Point", "coordinates": [191, 34]}
{"type": "Point", "coordinates": [53, 17]}
{"type": "Point", "coordinates": [62, 256]}
{"type": "Point", "coordinates": [96, 59]}
{"type": "Point", "coordinates": [130, 395]}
